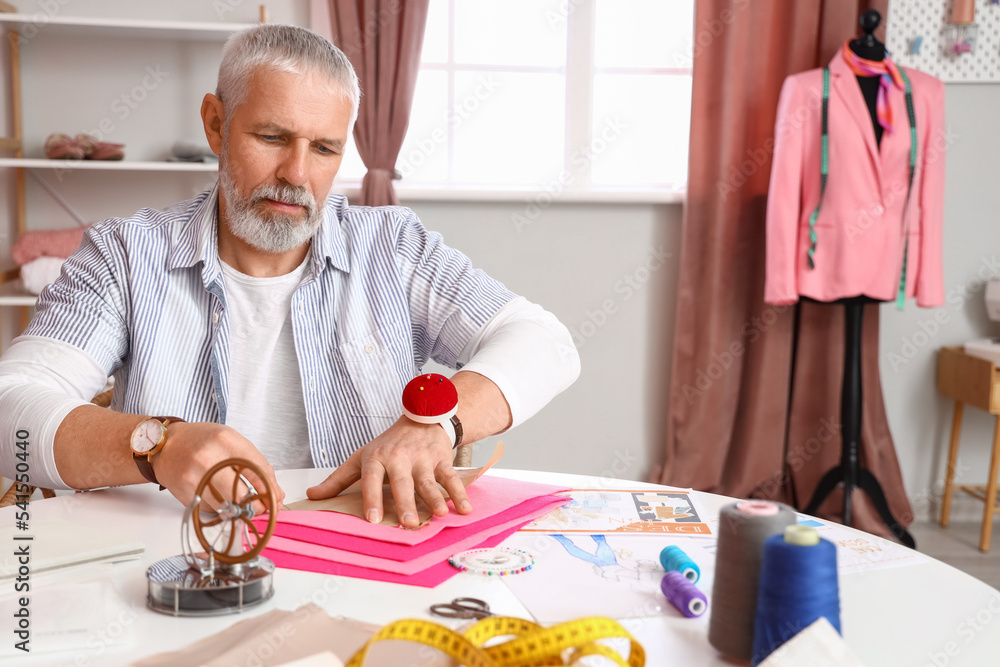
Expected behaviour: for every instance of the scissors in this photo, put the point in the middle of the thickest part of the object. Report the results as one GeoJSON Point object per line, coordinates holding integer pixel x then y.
{"type": "Point", "coordinates": [462, 608]}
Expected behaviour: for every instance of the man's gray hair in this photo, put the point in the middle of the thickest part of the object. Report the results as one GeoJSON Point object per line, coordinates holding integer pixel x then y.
{"type": "Point", "coordinates": [282, 48]}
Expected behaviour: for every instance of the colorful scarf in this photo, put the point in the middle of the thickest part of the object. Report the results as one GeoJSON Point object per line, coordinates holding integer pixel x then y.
{"type": "Point", "coordinates": [890, 76]}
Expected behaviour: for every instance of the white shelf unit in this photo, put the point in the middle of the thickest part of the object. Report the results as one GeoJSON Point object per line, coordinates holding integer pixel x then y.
{"type": "Point", "coordinates": [107, 165]}
{"type": "Point", "coordinates": [131, 28]}
{"type": "Point", "coordinates": [16, 25]}
{"type": "Point", "coordinates": [12, 293]}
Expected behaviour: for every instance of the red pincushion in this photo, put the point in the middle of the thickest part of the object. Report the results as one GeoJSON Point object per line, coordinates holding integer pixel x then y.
{"type": "Point", "coordinates": [430, 398]}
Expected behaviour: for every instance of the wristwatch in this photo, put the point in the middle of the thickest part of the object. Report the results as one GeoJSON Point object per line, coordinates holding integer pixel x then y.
{"type": "Point", "coordinates": [433, 399]}
{"type": "Point", "coordinates": [147, 440]}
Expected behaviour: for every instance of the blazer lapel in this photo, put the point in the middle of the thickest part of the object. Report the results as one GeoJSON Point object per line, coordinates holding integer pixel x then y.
{"type": "Point", "coordinates": [843, 81]}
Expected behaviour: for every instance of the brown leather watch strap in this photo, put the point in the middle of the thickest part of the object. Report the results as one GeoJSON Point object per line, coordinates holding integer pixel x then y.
{"type": "Point", "coordinates": [143, 463]}
{"type": "Point", "coordinates": [459, 431]}
{"type": "Point", "coordinates": [146, 469]}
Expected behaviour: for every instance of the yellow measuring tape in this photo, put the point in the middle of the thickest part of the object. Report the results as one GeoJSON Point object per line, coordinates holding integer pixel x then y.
{"type": "Point", "coordinates": [531, 644]}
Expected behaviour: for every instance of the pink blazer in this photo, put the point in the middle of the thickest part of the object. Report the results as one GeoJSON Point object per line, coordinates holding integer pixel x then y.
{"type": "Point", "coordinates": [860, 227]}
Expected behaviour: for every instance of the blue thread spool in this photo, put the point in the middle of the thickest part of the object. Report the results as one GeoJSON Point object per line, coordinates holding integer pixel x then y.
{"type": "Point", "coordinates": [673, 559]}
{"type": "Point", "coordinates": [798, 584]}
{"type": "Point", "coordinates": [683, 594]}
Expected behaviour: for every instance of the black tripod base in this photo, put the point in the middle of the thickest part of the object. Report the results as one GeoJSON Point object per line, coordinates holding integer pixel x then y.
{"type": "Point", "coordinates": [867, 483]}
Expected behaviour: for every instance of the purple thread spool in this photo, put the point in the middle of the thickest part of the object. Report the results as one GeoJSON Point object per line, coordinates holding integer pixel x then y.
{"type": "Point", "coordinates": [683, 594]}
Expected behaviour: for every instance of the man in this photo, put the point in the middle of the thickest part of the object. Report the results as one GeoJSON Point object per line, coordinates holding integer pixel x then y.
{"type": "Point", "coordinates": [270, 321]}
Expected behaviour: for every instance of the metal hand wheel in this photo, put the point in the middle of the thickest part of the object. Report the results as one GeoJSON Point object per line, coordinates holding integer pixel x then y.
{"type": "Point", "coordinates": [238, 512]}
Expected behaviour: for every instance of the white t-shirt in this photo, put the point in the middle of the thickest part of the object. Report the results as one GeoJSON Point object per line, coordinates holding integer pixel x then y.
{"type": "Point", "coordinates": [265, 391]}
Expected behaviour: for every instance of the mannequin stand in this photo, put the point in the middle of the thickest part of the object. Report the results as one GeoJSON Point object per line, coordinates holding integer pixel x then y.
{"type": "Point", "coordinates": [849, 473]}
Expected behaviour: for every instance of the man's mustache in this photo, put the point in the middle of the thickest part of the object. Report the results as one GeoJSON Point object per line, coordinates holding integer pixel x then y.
{"type": "Point", "coordinates": [286, 194]}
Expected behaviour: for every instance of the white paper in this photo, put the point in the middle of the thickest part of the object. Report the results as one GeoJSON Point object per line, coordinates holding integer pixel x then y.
{"type": "Point", "coordinates": [57, 543]}
{"type": "Point", "coordinates": [72, 614]}
{"type": "Point", "coordinates": [625, 511]}
{"type": "Point", "coordinates": [863, 552]}
{"type": "Point", "coordinates": [818, 645]}
{"type": "Point", "coordinates": [599, 575]}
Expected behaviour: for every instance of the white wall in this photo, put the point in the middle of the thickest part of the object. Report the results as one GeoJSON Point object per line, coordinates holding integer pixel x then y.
{"type": "Point", "coordinates": [920, 419]}
{"type": "Point", "coordinates": [575, 259]}
{"type": "Point", "coordinates": [590, 265]}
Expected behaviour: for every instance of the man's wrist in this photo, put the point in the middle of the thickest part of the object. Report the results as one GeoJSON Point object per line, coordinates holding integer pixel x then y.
{"type": "Point", "coordinates": [145, 461]}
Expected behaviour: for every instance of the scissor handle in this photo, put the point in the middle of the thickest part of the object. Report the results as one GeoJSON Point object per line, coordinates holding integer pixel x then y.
{"type": "Point", "coordinates": [462, 608]}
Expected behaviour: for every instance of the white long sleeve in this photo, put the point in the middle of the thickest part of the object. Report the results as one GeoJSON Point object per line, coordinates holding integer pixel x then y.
{"type": "Point", "coordinates": [41, 381]}
{"type": "Point", "coordinates": [528, 353]}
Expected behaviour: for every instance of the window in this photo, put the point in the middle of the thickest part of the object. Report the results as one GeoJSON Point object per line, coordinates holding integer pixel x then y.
{"type": "Point", "coordinates": [576, 95]}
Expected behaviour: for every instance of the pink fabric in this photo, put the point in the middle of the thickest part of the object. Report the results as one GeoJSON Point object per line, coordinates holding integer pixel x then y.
{"type": "Point", "coordinates": [47, 243]}
{"type": "Point", "coordinates": [408, 559]}
{"type": "Point", "coordinates": [489, 496]}
{"type": "Point", "coordinates": [383, 40]}
{"type": "Point", "coordinates": [432, 576]}
{"type": "Point", "coordinates": [859, 250]}
{"type": "Point", "coordinates": [403, 552]}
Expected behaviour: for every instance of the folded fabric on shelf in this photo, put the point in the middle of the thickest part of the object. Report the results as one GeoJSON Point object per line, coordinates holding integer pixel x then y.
{"type": "Point", "coordinates": [38, 273]}
{"type": "Point", "coordinates": [47, 243]}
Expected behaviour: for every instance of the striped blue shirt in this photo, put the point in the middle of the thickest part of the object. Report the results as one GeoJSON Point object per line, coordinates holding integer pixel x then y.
{"type": "Point", "coordinates": [145, 298]}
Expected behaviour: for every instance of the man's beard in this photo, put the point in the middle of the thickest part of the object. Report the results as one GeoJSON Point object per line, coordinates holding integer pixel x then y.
{"type": "Point", "coordinates": [266, 230]}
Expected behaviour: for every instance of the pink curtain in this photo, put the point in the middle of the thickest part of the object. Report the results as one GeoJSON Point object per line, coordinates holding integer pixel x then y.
{"type": "Point", "coordinates": [382, 39]}
{"type": "Point", "coordinates": [755, 389]}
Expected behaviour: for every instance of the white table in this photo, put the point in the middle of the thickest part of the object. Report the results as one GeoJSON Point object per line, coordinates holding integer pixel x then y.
{"type": "Point", "coordinates": [923, 614]}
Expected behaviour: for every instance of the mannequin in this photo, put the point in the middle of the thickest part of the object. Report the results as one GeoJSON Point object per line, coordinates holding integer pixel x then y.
{"type": "Point", "coordinates": [849, 472]}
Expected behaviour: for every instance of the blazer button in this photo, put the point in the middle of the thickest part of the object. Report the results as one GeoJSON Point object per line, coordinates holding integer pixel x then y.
{"type": "Point", "coordinates": [877, 209]}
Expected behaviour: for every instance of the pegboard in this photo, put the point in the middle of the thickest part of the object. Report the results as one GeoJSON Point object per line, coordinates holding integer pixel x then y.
{"type": "Point", "coordinates": [928, 18]}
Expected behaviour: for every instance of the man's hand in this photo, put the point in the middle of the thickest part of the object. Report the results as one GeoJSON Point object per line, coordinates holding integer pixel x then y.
{"type": "Point", "coordinates": [414, 457]}
{"type": "Point", "coordinates": [193, 448]}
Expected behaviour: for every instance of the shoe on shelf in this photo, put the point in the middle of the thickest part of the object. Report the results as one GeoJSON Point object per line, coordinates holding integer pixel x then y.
{"type": "Point", "coordinates": [100, 150]}
{"type": "Point", "coordinates": [60, 146]}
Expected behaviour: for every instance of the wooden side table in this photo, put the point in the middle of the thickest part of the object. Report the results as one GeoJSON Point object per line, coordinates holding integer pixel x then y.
{"type": "Point", "coordinates": [968, 379]}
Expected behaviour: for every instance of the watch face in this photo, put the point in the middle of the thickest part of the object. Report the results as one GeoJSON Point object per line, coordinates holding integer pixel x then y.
{"type": "Point", "coordinates": [147, 435]}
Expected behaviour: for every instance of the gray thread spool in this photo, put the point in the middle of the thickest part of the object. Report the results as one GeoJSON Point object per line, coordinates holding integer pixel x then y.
{"type": "Point", "coordinates": [743, 527]}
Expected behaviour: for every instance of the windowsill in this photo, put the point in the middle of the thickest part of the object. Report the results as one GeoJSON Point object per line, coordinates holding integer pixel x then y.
{"type": "Point", "coordinates": [541, 197]}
